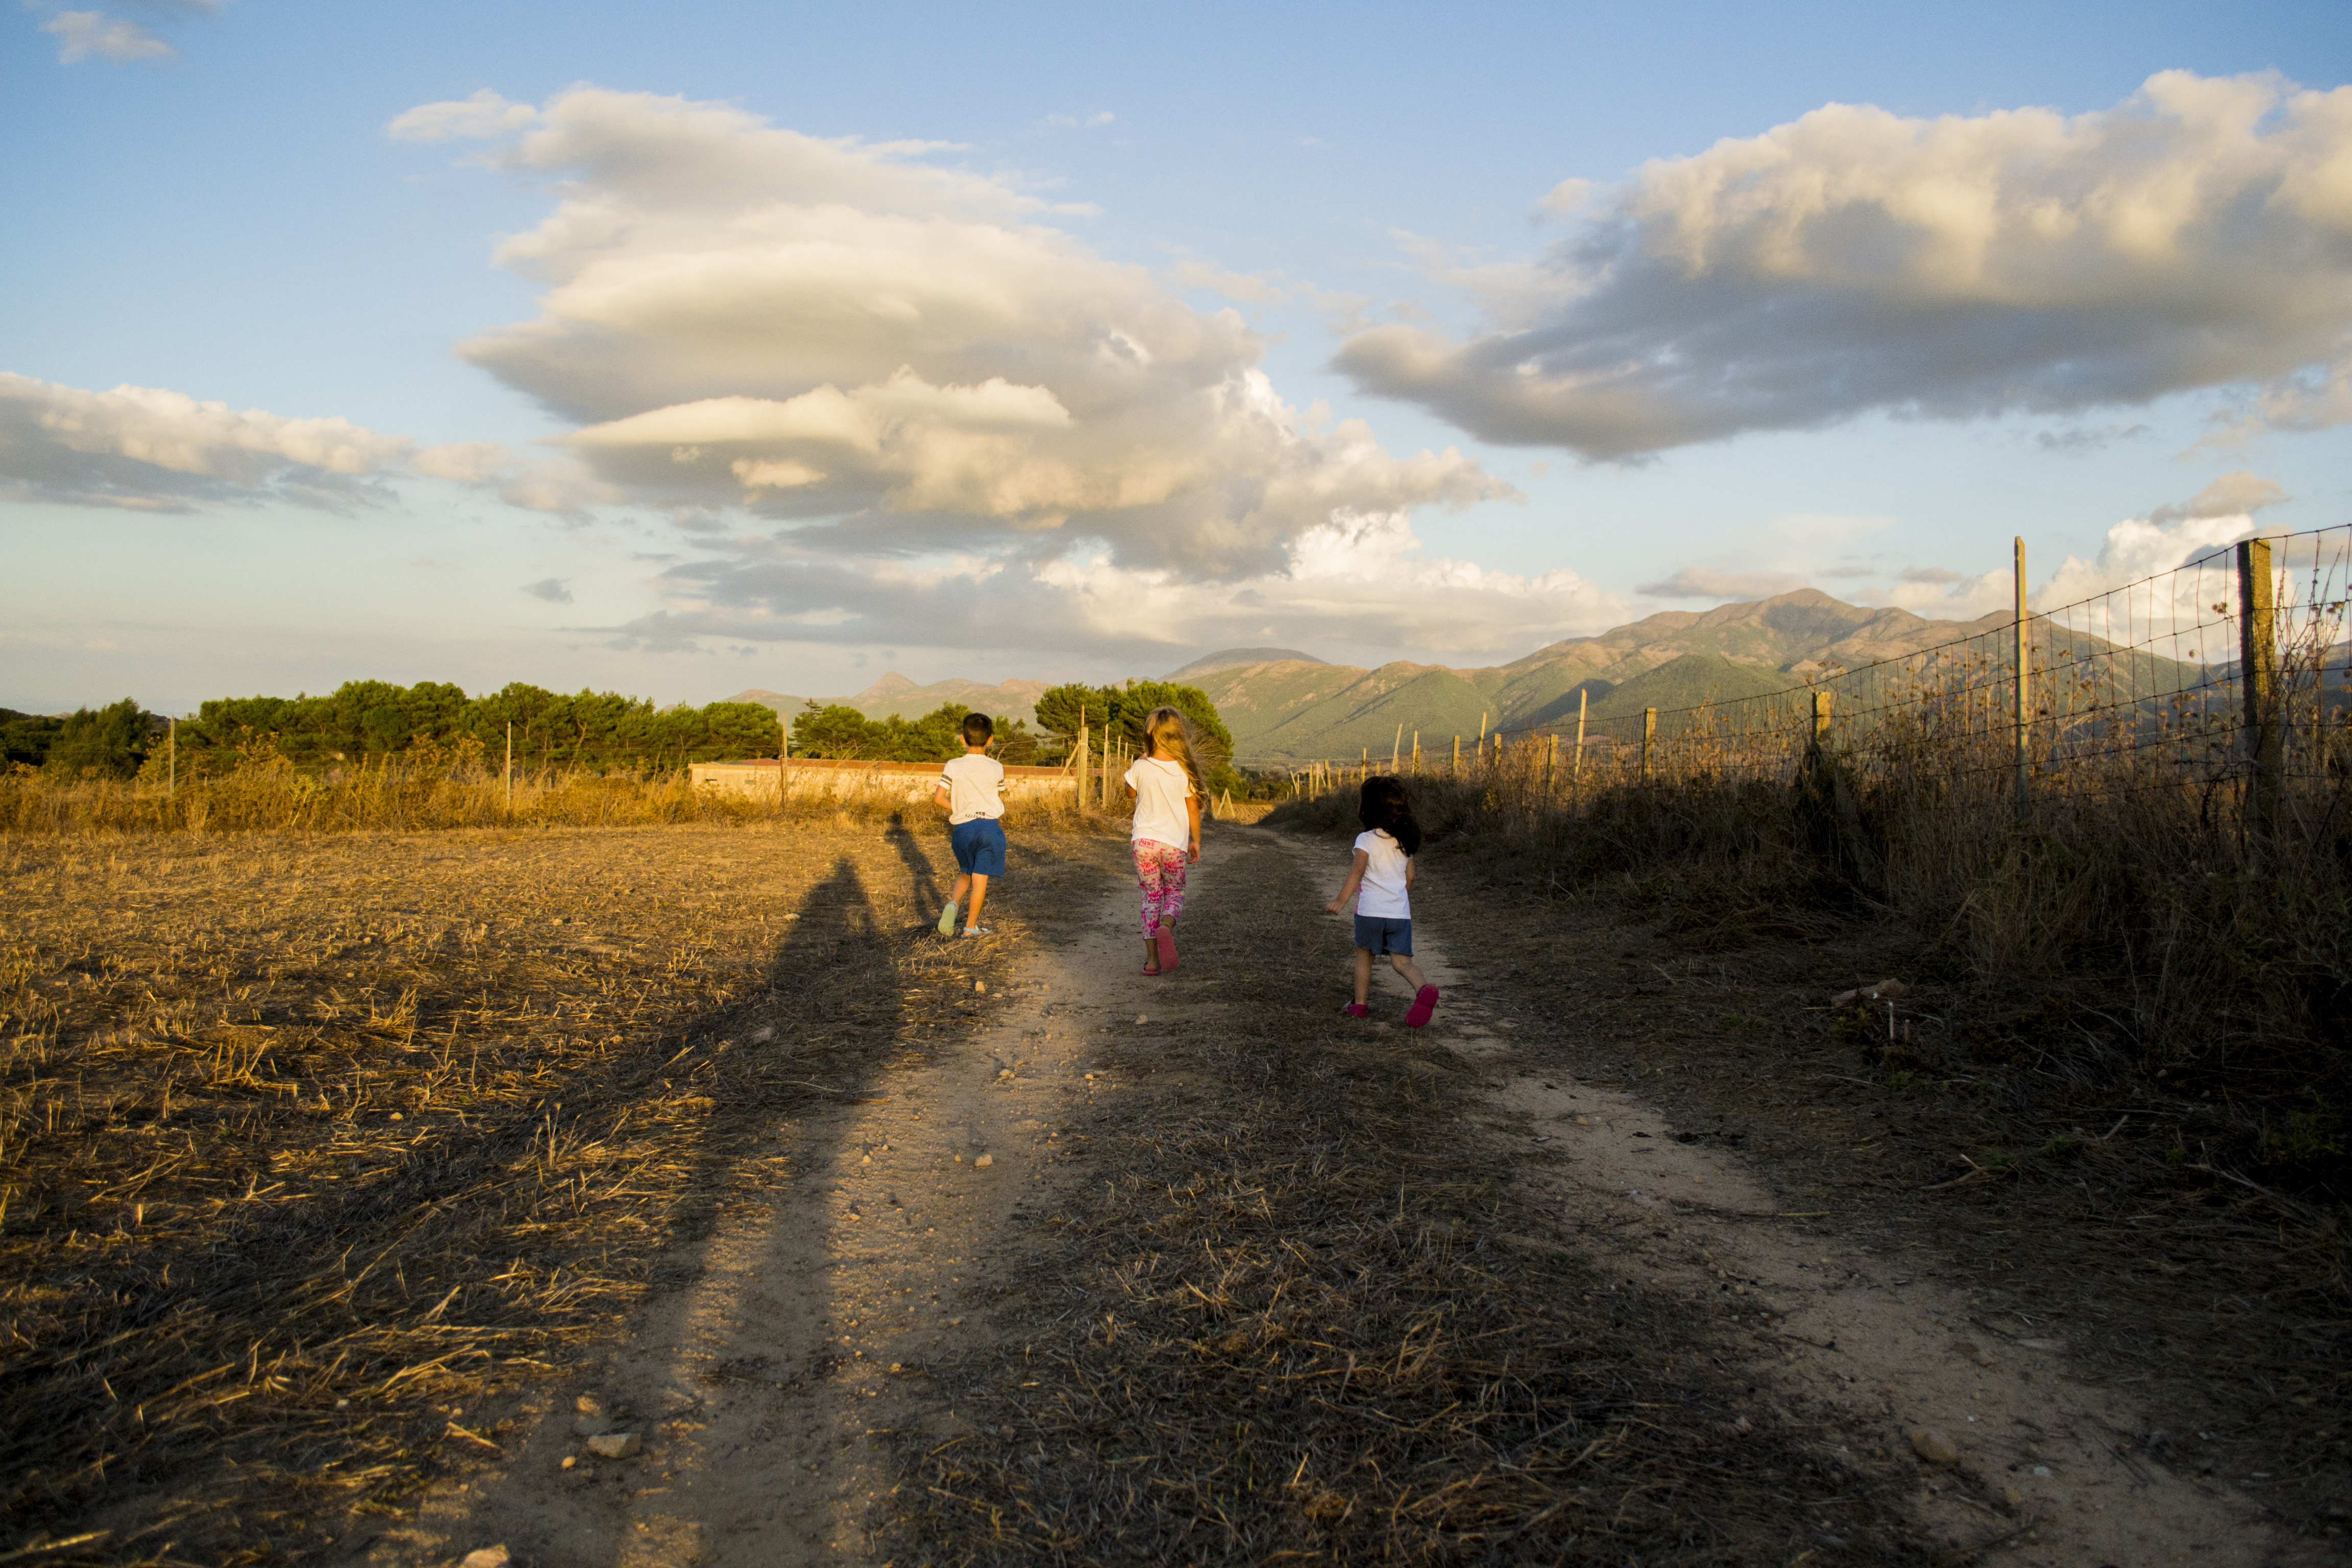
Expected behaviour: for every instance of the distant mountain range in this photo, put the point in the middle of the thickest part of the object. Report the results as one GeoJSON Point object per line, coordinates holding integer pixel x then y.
{"type": "Point", "coordinates": [894, 693]}
{"type": "Point", "coordinates": [1287, 706]}
{"type": "Point", "coordinates": [1284, 706]}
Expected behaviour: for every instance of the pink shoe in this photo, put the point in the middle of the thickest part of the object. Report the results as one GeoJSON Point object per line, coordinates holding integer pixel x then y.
{"type": "Point", "coordinates": [1357, 1010]}
{"type": "Point", "coordinates": [1166, 940]}
{"type": "Point", "coordinates": [1424, 1003]}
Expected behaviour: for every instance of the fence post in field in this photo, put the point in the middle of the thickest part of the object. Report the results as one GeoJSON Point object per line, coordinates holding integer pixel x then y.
{"type": "Point", "coordinates": [1821, 704]}
{"type": "Point", "coordinates": [1552, 756]}
{"type": "Point", "coordinates": [1416, 753]}
{"type": "Point", "coordinates": [1456, 772]}
{"type": "Point", "coordinates": [1648, 734]}
{"type": "Point", "coordinates": [1395, 747]}
{"type": "Point", "coordinates": [2024, 693]}
{"type": "Point", "coordinates": [1576, 763]}
{"type": "Point", "coordinates": [171, 760]}
{"type": "Point", "coordinates": [510, 767]}
{"type": "Point", "coordinates": [2258, 673]}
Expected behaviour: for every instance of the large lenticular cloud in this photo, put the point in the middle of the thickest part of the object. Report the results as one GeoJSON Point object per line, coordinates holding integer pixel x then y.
{"type": "Point", "coordinates": [2199, 235]}
{"type": "Point", "coordinates": [898, 355]}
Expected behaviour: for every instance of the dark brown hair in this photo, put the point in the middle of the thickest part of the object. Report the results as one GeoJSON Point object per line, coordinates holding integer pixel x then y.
{"type": "Point", "coordinates": [1385, 807]}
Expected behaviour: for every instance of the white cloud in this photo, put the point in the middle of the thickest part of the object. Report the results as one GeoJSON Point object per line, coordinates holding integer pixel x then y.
{"type": "Point", "coordinates": [484, 114]}
{"type": "Point", "coordinates": [156, 450]}
{"type": "Point", "coordinates": [887, 359]}
{"type": "Point", "coordinates": [94, 35]}
{"type": "Point", "coordinates": [1355, 582]}
{"type": "Point", "coordinates": [466, 462]}
{"type": "Point", "coordinates": [554, 590]}
{"type": "Point", "coordinates": [2241, 494]}
{"type": "Point", "coordinates": [2198, 235]}
{"type": "Point", "coordinates": [2134, 550]}
{"type": "Point", "coordinates": [151, 449]}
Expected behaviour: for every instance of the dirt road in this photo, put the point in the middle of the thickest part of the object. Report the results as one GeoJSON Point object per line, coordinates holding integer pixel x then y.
{"type": "Point", "coordinates": [1191, 1269]}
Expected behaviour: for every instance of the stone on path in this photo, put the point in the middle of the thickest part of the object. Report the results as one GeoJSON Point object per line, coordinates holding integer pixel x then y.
{"type": "Point", "coordinates": [1934, 1446]}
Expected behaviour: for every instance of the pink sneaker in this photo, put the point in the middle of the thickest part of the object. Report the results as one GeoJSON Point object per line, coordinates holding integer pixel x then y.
{"type": "Point", "coordinates": [1357, 1010]}
{"type": "Point", "coordinates": [1166, 940]}
{"type": "Point", "coordinates": [1424, 1003]}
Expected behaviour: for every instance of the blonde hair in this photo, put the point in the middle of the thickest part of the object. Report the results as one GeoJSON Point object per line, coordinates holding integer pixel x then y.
{"type": "Point", "coordinates": [1172, 735]}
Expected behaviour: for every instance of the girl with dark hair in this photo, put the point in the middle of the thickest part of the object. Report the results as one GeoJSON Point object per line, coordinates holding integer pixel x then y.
{"type": "Point", "coordinates": [1381, 881]}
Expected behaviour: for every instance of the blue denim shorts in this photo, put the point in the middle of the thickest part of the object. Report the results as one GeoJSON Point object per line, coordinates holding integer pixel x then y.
{"type": "Point", "coordinates": [1377, 935]}
{"type": "Point", "coordinates": [979, 846]}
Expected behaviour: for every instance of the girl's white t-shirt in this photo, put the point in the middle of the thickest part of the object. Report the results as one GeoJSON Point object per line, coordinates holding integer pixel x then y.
{"type": "Point", "coordinates": [1382, 895]}
{"type": "Point", "coordinates": [1161, 788]}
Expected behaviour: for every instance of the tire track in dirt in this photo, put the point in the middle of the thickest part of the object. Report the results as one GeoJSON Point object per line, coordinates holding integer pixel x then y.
{"type": "Point", "coordinates": [2045, 1474]}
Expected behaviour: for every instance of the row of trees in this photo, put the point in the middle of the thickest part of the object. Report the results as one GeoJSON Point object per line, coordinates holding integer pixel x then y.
{"type": "Point", "coordinates": [592, 730]}
{"type": "Point", "coordinates": [108, 742]}
{"type": "Point", "coordinates": [598, 730]}
{"type": "Point", "coordinates": [837, 730]}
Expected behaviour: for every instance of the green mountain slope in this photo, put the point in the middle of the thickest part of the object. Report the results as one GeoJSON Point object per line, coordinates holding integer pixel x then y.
{"type": "Point", "coordinates": [1286, 706]}
{"type": "Point", "coordinates": [1378, 713]}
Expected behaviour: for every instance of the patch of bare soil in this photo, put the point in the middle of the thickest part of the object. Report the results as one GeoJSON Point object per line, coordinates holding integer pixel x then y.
{"type": "Point", "coordinates": [320, 1156]}
{"type": "Point", "coordinates": [2132, 1363]}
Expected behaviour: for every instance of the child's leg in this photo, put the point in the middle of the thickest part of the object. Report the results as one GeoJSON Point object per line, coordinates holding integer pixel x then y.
{"type": "Point", "coordinates": [1363, 977]}
{"type": "Point", "coordinates": [962, 882]}
{"type": "Point", "coordinates": [978, 895]}
{"type": "Point", "coordinates": [1171, 884]}
{"type": "Point", "coordinates": [1151, 879]}
{"type": "Point", "coordinates": [1411, 971]}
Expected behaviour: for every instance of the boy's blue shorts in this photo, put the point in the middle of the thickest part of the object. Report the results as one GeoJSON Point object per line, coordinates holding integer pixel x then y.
{"type": "Point", "coordinates": [1377, 935]}
{"type": "Point", "coordinates": [979, 846]}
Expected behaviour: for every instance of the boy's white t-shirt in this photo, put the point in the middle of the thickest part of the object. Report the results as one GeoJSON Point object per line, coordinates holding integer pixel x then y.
{"type": "Point", "coordinates": [973, 781]}
{"type": "Point", "coordinates": [1161, 788]}
{"type": "Point", "coordinates": [1382, 895]}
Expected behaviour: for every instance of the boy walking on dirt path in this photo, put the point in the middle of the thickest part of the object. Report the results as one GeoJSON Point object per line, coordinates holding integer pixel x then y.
{"type": "Point", "coordinates": [970, 787]}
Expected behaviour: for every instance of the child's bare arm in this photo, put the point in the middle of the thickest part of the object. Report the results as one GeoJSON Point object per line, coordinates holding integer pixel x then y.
{"type": "Point", "coordinates": [1192, 809]}
{"type": "Point", "coordinates": [1355, 879]}
{"type": "Point", "coordinates": [1408, 873]}
{"type": "Point", "coordinates": [940, 797]}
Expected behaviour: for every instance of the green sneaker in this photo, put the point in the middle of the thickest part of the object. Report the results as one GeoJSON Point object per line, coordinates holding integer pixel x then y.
{"type": "Point", "coordinates": [947, 918]}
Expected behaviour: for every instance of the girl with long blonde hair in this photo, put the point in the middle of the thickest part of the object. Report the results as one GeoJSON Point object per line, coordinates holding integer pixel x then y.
{"type": "Point", "coordinates": [1167, 788]}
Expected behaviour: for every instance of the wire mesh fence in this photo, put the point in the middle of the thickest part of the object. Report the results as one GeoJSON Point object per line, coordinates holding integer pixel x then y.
{"type": "Point", "coordinates": [2224, 677]}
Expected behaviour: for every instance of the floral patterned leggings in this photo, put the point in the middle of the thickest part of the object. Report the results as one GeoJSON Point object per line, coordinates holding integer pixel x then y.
{"type": "Point", "coordinates": [1160, 867]}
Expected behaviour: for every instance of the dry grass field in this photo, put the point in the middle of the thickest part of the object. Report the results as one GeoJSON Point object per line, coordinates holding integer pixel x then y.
{"type": "Point", "coordinates": [333, 1165]}
{"type": "Point", "coordinates": [311, 1146]}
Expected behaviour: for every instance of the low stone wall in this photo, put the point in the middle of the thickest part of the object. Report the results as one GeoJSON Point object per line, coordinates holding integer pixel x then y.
{"type": "Point", "coordinates": [757, 779]}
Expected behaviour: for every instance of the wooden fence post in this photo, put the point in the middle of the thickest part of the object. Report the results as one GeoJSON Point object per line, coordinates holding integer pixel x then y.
{"type": "Point", "coordinates": [1552, 757]}
{"type": "Point", "coordinates": [1821, 703]}
{"type": "Point", "coordinates": [1576, 764]}
{"type": "Point", "coordinates": [2258, 673]}
{"type": "Point", "coordinates": [1456, 772]}
{"type": "Point", "coordinates": [1416, 753]}
{"type": "Point", "coordinates": [510, 767]}
{"type": "Point", "coordinates": [1648, 734]}
{"type": "Point", "coordinates": [171, 760]}
{"type": "Point", "coordinates": [1396, 746]}
{"type": "Point", "coordinates": [1078, 764]}
{"type": "Point", "coordinates": [2024, 694]}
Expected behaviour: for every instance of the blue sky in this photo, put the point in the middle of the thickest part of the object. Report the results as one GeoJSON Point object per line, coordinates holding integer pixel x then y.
{"type": "Point", "coordinates": [1056, 342]}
